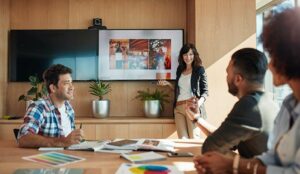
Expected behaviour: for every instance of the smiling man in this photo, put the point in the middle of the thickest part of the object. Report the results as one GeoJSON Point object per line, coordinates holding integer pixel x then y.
{"type": "Point", "coordinates": [49, 122]}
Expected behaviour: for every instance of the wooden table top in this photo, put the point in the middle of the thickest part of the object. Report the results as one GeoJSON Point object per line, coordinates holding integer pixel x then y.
{"type": "Point", "coordinates": [96, 162]}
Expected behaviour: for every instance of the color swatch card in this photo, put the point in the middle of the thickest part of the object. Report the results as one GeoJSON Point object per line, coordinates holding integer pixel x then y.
{"type": "Point", "coordinates": [54, 159]}
{"type": "Point", "coordinates": [49, 171]}
{"type": "Point", "coordinates": [147, 169]}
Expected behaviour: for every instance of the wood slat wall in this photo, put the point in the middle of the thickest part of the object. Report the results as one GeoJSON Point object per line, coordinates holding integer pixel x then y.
{"type": "Point", "coordinates": [4, 26]}
{"type": "Point", "coordinates": [215, 26]}
{"type": "Point", "coordinates": [77, 14]}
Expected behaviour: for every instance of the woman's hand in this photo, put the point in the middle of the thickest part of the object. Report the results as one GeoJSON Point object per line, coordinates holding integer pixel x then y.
{"type": "Point", "coordinates": [164, 83]}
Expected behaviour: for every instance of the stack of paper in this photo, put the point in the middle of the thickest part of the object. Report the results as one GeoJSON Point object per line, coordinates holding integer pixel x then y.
{"type": "Point", "coordinates": [143, 157]}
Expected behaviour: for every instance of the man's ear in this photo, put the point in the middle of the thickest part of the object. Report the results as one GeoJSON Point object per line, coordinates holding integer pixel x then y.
{"type": "Point", "coordinates": [52, 88]}
{"type": "Point", "coordinates": [238, 79]}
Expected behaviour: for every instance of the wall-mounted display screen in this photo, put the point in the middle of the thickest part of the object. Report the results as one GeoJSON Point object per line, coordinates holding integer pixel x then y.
{"type": "Point", "coordinates": [139, 54]}
{"type": "Point", "coordinates": [32, 51]}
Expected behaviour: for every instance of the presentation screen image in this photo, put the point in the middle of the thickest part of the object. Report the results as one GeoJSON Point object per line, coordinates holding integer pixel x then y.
{"type": "Point", "coordinates": [139, 54]}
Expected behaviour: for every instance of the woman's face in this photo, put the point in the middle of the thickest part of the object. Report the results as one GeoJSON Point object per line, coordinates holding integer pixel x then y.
{"type": "Point", "coordinates": [188, 57]}
{"type": "Point", "coordinates": [278, 79]}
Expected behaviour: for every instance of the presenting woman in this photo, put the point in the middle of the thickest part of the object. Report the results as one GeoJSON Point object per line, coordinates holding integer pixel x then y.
{"type": "Point", "coordinates": [190, 85]}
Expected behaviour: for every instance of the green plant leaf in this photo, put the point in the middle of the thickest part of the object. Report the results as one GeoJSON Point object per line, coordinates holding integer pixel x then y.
{"type": "Point", "coordinates": [156, 95]}
{"type": "Point", "coordinates": [22, 97]}
{"type": "Point", "coordinates": [37, 90]}
{"type": "Point", "coordinates": [32, 91]}
{"type": "Point", "coordinates": [99, 89]}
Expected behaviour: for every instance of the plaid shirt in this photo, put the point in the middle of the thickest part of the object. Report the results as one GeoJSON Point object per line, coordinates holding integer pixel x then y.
{"type": "Point", "coordinates": [43, 118]}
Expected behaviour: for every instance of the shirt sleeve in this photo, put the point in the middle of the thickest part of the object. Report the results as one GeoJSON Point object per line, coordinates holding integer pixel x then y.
{"type": "Point", "coordinates": [228, 135]}
{"type": "Point", "coordinates": [242, 123]}
{"type": "Point", "coordinates": [272, 168]}
{"type": "Point", "coordinates": [32, 121]}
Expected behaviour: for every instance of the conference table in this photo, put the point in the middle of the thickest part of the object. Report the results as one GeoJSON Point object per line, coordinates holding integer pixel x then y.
{"type": "Point", "coordinates": [96, 162]}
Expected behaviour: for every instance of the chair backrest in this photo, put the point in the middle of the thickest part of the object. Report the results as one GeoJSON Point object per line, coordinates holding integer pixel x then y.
{"type": "Point", "coordinates": [16, 132]}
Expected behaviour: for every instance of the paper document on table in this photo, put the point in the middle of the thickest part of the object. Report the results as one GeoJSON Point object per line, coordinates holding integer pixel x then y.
{"type": "Point", "coordinates": [54, 159]}
{"type": "Point", "coordinates": [141, 144]}
{"type": "Point", "coordinates": [143, 157]}
{"type": "Point", "coordinates": [88, 145]}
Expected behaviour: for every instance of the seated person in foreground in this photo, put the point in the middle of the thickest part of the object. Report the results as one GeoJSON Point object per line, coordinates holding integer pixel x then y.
{"type": "Point", "coordinates": [280, 38]}
{"type": "Point", "coordinates": [247, 126]}
{"type": "Point", "coordinates": [49, 122]}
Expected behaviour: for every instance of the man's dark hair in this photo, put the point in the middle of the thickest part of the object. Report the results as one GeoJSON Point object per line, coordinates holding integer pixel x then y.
{"type": "Point", "coordinates": [51, 75]}
{"type": "Point", "coordinates": [281, 38]}
{"type": "Point", "coordinates": [251, 64]}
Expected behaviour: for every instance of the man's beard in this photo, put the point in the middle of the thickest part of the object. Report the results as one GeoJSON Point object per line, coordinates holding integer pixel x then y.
{"type": "Point", "coordinates": [232, 88]}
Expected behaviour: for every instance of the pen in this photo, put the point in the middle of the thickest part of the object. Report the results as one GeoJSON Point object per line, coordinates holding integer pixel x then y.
{"type": "Point", "coordinates": [80, 128]}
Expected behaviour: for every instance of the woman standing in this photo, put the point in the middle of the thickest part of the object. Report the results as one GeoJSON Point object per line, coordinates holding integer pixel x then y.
{"type": "Point", "coordinates": [190, 85]}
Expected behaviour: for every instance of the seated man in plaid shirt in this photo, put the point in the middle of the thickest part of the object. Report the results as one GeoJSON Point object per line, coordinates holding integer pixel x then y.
{"type": "Point", "coordinates": [49, 122]}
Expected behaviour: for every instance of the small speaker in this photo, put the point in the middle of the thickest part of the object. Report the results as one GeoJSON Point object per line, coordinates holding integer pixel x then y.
{"type": "Point", "coordinates": [97, 22]}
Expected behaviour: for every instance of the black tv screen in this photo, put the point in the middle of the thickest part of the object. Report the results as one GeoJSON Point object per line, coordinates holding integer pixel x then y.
{"type": "Point", "coordinates": [33, 51]}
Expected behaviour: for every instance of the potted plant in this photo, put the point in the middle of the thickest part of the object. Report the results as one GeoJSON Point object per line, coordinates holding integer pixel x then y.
{"type": "Point", "coordinates": [153, 101]}
{"type": "Point", "coordinates": [100, 106]}
{"type": "Point", "coordinates": [37, 91]}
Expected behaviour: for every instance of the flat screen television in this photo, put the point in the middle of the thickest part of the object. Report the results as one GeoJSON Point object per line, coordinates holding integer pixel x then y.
{"type": "Point", "coordinates": [32, 51]}
{"type": "Point", "coordinates": [139, 54]}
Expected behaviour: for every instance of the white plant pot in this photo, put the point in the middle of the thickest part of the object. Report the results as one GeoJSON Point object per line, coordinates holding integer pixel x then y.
{"type": "Point", "coordinates": [152, 108]}
{"type": "Point", "coordinates": [101, 108]}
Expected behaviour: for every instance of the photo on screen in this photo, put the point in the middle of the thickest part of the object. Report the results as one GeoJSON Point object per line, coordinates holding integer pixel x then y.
{"type": "Point", "coordinates": [139, 54]}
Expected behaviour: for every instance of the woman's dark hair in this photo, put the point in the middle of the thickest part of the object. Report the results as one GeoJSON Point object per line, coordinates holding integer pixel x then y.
{"type": "Point", "coordinates": [281, 38]}
{"type": "Point", "coordinates": [51, 75]}
{"type": "Point", "coordinates": [186, 48]}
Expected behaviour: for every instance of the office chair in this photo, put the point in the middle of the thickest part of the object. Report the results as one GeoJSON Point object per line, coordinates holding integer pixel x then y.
{"type": "Point", "coordinates": [16, 132]}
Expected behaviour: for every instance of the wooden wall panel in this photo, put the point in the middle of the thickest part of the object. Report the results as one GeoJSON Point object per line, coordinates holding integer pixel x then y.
{"type": "Point", "coordinates": [221, 25]}
{"type": "Point", "coordinates": [77, 14]}
{"type": "Point", "coordinates": [112, 131]}
{"type": "Point", "coordinates": [89, 131]}
{"type": "Point", "coordinates": [145, 130]}
{"type": "Point", "coordinates": [4, 26]}
{"type": "Point", "coordinates": [169, 131]}
{"type": "Point", "coordinates": [129, 13]}
{"type": "Point", "coordinates": [37, 14]}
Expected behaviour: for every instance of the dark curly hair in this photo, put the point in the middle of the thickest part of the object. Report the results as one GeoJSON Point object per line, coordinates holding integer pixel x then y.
{"type": "Point", "coordinates": [281, 39]}
{"type": "Point", "coordinates": [186, 48]}
{"type": "Point", "coordinates": [51, 75]}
